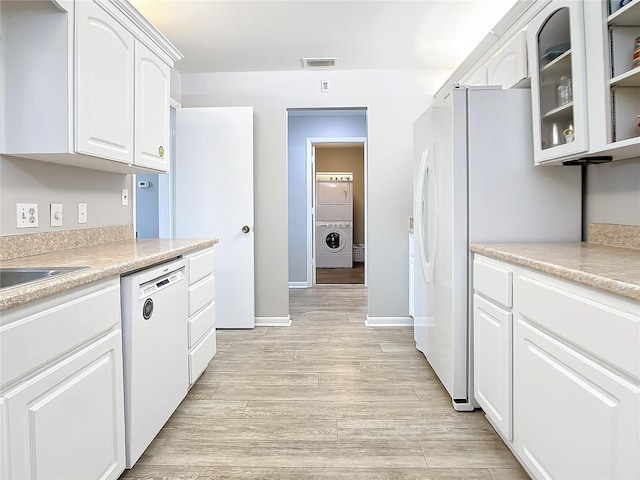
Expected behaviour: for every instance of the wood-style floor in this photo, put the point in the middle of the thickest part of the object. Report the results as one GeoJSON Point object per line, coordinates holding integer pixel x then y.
{"type": "Point", "coordinates": [334, 276]}
{"type": "Point", "coordinates": [325, 399]}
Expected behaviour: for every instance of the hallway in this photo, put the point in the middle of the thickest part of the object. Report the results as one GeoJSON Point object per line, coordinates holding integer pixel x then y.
{"type": "Point", "coordinates": [326, 399]}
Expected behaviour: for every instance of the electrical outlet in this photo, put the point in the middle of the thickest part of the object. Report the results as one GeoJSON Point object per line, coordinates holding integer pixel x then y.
{"type": "Point", "coordinates": [26, 215]}
{"type": "Point", "coordinates": [56, 215]}
{"type": "Point", "coordinates": [125, 197]}
{"type": "Point", "coordinates": [82, 213]}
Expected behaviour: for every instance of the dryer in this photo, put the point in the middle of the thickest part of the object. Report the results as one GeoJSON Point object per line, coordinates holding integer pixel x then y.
{"type": "Point", "coordinates": [334, 244]}
{"type": "Point", "coordinates": [334, 196]}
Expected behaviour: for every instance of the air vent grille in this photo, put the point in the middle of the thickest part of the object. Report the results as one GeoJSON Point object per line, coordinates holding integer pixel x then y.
{"type": "Point", "coordinates": [320, 62]}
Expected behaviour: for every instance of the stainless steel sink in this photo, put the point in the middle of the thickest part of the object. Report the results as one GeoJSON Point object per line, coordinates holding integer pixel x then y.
{"type": "Point", "coordinates": [11, 277]}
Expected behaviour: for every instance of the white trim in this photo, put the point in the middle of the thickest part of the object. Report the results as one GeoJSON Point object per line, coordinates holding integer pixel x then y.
{"type": "Point", "coordinates": [273, 321]}
{"type": "Point", "coordinates": [299, 285]}
{"type": "Point", "coordinates": [174, 103]}
{"type": "Point", "coordinates": [388, 321]}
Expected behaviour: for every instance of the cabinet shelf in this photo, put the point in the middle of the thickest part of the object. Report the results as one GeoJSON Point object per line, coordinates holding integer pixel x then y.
{"type": "Point", "coordinates": [558, 112]}
{"type": "Point", "coordinates": [559, 64]}
{"type": "Point", "coordinates": [627, 79]}
{"type": "Point", "coordinates": [627, 15]}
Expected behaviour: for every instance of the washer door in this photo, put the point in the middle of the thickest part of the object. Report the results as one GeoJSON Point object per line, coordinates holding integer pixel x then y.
{"type": "Point", "coordinates": [333, 241]}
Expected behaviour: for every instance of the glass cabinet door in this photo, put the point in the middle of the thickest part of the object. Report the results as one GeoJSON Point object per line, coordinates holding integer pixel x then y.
{"type": "Point", "coordinates": [558, 82]}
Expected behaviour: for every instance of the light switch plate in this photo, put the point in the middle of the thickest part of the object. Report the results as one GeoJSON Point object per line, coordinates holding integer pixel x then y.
{"type": "Point", "coordinates": [56, 215]}
{"type": "Point", "coordinates": [125, 197]}
{"type": "Point", "coordinates": [82, 213]}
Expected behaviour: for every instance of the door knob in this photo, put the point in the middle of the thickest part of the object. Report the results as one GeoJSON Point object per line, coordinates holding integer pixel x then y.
{"type": "Point", "coordinates": [245, 229]}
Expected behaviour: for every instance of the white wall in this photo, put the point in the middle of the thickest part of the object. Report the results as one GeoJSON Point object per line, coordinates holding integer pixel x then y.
{"type": "Point", "coordinates": [394, 99]}
{"type": "Point", "coordinates": [303, 125]}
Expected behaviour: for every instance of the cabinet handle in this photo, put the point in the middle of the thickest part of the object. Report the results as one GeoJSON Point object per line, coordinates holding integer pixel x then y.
{"type": "Point", "coordinates": [161, 151]}
{"type": "Point", "coordinates": [245, 229]}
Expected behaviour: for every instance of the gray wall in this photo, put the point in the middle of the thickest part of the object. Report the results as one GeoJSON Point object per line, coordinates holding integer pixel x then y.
{"type": "Point", "coordinates": [394, 99]}
{"type": "Point", "coordinates": [303, 125]}
{"type": "Point", "coordinates": [31, 181]}
{"type": "Point", "coordinates": [613, 193]}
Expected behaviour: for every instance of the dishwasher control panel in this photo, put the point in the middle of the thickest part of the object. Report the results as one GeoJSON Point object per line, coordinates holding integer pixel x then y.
{"type": "Point", "coordinates": [160, 283]}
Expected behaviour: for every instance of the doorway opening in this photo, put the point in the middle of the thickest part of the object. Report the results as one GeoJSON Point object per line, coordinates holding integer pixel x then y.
{"type": "Point", "coordinates": [322, 249]}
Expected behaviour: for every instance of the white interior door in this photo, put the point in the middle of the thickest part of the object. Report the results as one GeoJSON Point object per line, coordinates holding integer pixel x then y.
{"type": "Point", "coordinates": [214, 198]}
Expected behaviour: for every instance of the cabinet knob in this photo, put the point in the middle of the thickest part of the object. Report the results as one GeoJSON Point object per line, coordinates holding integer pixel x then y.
{"type": "Point", "coordinates": [161, 151]}
{"type": "Point", "coordinates": [245, 229]}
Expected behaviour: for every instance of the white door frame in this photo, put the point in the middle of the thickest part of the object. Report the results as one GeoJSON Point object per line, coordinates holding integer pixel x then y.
{"type": "Point", "coordinates": [311, 195]}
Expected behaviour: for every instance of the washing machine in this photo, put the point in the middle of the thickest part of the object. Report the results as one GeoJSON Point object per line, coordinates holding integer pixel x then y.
{"type": "Point", "coordinates": [334, 196]}
{"type": "Point", "coordinates": [334, 244]}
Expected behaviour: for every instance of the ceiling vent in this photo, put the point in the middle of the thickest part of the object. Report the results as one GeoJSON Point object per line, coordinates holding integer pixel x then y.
{"type": "Point", "coordinates": [320, 62]}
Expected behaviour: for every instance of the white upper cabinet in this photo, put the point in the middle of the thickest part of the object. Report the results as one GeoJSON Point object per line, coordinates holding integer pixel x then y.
{"type": "Point", "coordinates": [558, 82]}
{"type": "Point", "coordinates": [86, 84]}
{"type": "Point", "coordinates": [509, 66]}
{"type": "Point", "coordinates": [476, 77]}
{"type": "Point", "coordinates": [104, 88]}
{"type": "Point", "coordinates": [151, 108]}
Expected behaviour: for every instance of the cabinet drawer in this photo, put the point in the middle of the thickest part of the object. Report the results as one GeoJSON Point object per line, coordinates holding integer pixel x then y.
{"type": "Point", "coordinates": [584, 317]}
{"type": "Point", "coordinates": [493, 282]}
{"type": "Point", "coordinates": [201, 322]}
{"type": "Point", "coordinates": [201, 293]}
{"type": "Point", "coordinates": [201, 355]}
{"type": "Point", "coordinates": [33, 335]}
{"type": "Point", "coordinates": [201, 264]}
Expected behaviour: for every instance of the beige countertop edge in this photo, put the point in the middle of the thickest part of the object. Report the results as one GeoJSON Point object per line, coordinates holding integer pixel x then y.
{"type": "Point", "coordinates": [103, 267]}
{"type": "Point", "coordinates": [610, 285]}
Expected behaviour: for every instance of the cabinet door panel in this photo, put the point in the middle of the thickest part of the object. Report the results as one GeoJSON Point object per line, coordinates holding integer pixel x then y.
{"type": "Point", "coordinates": [574, 419]}
{"type": "Point", "coordinates": [152, 110]}
{"type": "Point", "coordinates": [68, 422]}
{"type": "Point", "coordinates": [509, 66]}
{"type": "Point", "coordinates": [492, 362]}
{"type": "Point", "coordinates": [104, 82]}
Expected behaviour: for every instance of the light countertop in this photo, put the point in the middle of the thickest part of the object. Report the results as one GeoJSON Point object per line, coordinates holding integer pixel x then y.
{"type": "Point", "coordinates": [612, 269]}
{"type": "Point", "coordinates": [104, 261]}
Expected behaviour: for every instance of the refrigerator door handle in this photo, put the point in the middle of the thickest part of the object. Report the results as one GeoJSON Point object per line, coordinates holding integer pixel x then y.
{"type": "Point", "coordinates": [427, 180]}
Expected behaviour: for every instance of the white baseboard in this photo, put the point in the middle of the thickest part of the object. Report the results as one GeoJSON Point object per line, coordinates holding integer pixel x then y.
{"type": "Point", "coordinates": [388, 321]}
{"type": "Point", "coordinates": [273, 321]}
{"type": "Point", "coordinates": [299, 285]}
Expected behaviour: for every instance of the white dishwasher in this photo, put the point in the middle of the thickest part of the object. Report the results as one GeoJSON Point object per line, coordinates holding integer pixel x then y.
{"type": "Point", "coordinates": [155, 349]}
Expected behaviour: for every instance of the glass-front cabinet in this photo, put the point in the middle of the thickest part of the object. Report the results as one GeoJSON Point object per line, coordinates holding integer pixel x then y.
{"type": "Point", "coordinates": [558, 87]}
{"type": "Point", "coordinates": [623, 23]}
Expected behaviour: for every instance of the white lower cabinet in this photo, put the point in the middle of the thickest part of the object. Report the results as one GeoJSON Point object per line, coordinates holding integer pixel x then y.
{"type": "Point", "coordinates": [201, 330]}
{"type": "Point", "coordinates": [64, 417]}
{"type": "Point", "coordinates": [563, 367]}
{"type": "Point", "coordinates": [492, 363]}
{"type": "Point", "coordinates": [574, 418]}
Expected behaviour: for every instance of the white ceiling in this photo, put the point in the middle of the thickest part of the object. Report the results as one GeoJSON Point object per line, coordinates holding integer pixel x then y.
{"type": "Point", "coordinates": [255, 35]}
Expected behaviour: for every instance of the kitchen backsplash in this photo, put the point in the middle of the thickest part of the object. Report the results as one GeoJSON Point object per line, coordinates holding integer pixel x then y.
{"type": "Point", "coordinates": [615, 235]}
{"type": "Point", "coordinates": [16, 246]}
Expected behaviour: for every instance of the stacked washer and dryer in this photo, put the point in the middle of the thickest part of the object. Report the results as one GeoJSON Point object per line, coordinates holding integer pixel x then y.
{"type": "Point", "coordinates": [334, 220]}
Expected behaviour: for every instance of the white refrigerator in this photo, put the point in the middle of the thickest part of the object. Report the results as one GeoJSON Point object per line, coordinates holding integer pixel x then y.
{"type": "Point", "coordinates": [475, 182]}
